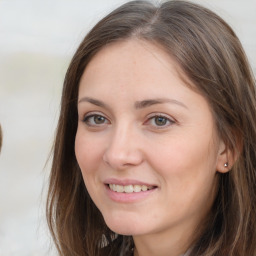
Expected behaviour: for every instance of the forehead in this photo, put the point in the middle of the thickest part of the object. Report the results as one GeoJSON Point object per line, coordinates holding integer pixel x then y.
{"type": "Point", "coordinates": [133, 59]}
{"type": "Point", "coordinates": [131, 71]}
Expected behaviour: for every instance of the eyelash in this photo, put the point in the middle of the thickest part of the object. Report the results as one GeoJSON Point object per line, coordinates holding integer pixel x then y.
{"type": "Point", "coordinates": [87, 118]}
{"type": "Point", "coordinates": [164, 118]}
{"type": "Point", "coordinates": [167, 120]}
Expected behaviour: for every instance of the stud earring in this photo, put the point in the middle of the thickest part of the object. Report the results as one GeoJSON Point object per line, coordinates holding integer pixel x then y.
{"type": "Point", "coordinates": [226, 164]}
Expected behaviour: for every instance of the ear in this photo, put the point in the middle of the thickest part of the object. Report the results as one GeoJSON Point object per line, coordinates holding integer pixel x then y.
{"type": "Point", "coordinates": [225, 158]}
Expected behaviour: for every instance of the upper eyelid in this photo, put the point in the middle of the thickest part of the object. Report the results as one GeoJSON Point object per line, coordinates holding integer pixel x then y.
{"type": "Point", "coordinates": [152, 115]}
{"type": "Point", "coordinates": [92, 113]}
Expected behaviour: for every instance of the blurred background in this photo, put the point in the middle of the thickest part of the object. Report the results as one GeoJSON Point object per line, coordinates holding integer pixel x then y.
{"type": "Point", "coordinates": [37, 41]}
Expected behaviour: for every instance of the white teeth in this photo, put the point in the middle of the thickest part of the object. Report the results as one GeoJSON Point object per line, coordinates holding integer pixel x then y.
{"type": "Point", "coordinates": [136, 188]}
{"type": "Point", "coordinates": [116, 188]}
{"type": "Point", "coordinates": [129, 188]}
{"type": "Point", "coordinates": [119, 189]}
{"type": "Point", "coordinates": [144, 188]}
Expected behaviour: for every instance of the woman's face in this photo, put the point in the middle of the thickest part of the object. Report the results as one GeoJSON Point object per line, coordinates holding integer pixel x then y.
{"type": "Point", "coordinates": [146, 143]}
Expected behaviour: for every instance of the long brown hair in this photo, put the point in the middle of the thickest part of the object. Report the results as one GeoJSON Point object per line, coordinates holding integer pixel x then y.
{"type": "Point", "coordinates": [212, 58]}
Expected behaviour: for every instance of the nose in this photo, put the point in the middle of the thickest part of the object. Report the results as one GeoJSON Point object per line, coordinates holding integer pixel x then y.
{"type": "Point", "coordinates": [123, 149]}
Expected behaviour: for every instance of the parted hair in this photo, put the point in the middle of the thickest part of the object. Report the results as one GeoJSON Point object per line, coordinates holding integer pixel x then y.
{"type": "Point", "coordinates": [211, 57]}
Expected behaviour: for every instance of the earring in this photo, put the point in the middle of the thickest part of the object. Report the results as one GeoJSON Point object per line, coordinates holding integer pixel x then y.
{"type": "Point", "coordinates": [226, 165]}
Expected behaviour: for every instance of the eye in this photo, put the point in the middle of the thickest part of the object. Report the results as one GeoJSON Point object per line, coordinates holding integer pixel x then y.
{"type": "Point", "coordinates": [95, 120]}
{"type": "Point", "coordinates": [160, 121]}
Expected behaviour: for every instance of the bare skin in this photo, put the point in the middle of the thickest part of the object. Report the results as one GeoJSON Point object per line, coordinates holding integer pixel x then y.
{"type": "Point", "coordinates": [139, 124]}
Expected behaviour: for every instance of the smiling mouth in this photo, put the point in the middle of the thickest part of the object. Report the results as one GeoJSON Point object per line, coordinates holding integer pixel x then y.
{"type": "Point", "coordinates": [130, 188]}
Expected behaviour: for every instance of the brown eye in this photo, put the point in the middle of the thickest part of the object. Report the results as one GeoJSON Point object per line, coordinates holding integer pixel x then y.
{"type": "Point", "coordinates": [95, 120]}
{"type": "Point", "coordinates": [160, 120]}
{"type": "Point", "coordinates": [99, 119]}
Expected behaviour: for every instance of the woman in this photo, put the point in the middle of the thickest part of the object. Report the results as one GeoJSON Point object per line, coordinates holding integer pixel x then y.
{"type": "Point", "coordinates": [155, 145]}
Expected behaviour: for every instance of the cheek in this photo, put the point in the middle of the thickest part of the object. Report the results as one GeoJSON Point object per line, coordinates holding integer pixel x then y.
{"type": "Point", "coordinates": [187, 173]}
{"type": "Point", "coordinates": [88, 153]}
{"type": "Point", "coordinates": [185, 163]}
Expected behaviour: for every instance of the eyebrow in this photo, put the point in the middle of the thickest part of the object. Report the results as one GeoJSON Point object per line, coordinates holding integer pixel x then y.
{"type": "Point", "coordinates": [93, 101]}
{"type": "Point", "coordinates": [138, 104]}
{"type": "Point", "coordinates": [150, 102]}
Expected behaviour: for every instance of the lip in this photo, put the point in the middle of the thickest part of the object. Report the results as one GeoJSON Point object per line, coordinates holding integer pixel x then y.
{"type": "Point", "coordinates": [128, 197]}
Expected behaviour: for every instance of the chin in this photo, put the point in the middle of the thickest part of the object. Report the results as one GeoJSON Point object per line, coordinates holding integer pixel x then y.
{"type": "Point", "coordinates": [125, 226]}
